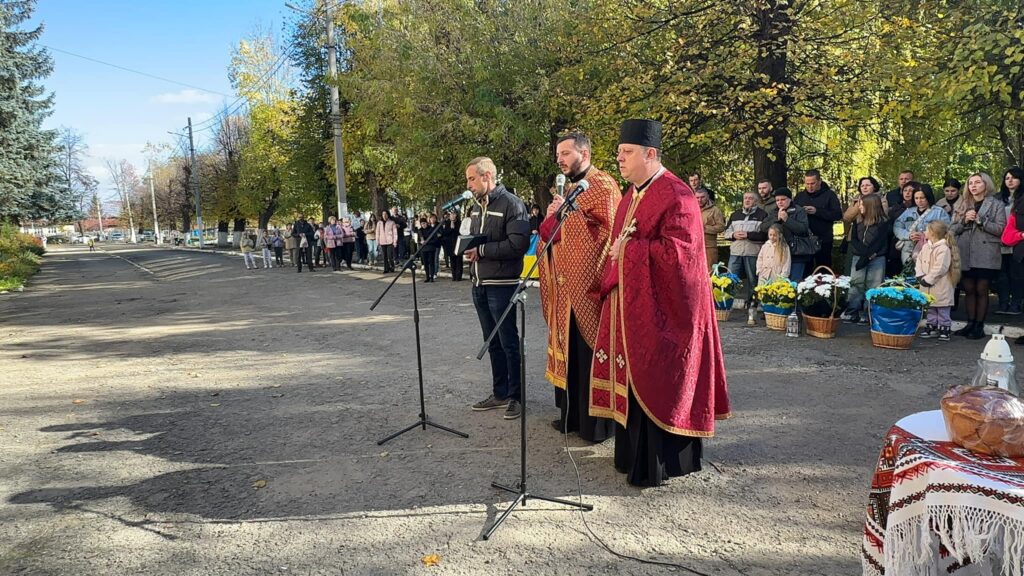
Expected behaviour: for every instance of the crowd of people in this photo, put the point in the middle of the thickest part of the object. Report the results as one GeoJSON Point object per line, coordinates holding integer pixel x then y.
{"type": "Point", "coordinates": [970, 239]}
{"type": "Point", "coordinates": [372, 240]}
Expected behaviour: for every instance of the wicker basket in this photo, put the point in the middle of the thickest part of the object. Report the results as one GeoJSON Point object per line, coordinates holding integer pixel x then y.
{"type": "Point", "coordinates": [775, 321]}
{"type": "Point", "coordinates": [723, 314]}
{"type": "Point", "coordinates": [892, 341]}
{"type": "Point", "coordinates": [821, 327]}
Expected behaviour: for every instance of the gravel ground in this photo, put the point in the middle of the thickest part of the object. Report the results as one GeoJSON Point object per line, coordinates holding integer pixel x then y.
{"type": "Point", "coordinates": [190, 417]}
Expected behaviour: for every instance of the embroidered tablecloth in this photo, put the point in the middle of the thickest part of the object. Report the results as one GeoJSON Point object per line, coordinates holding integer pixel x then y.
{"type": "Point", "coordinates": [937, 508]}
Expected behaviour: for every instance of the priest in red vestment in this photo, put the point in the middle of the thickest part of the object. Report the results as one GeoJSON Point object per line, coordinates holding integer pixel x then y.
{"type": "Point", "coordinates": [570, 285]}
{"type": "Point", "coordinates": [658, 368]}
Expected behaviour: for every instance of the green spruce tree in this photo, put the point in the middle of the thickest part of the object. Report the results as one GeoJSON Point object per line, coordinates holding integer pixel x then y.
{"type": "Point", "coordinates": [27, 151]}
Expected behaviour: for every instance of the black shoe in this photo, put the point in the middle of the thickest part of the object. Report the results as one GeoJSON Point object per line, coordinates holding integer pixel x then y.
{"type": "Point", "coordinates": [943, 333]}
{"type": "Point", "coordinates": [514, 410]}
{"type": "Point", "coordinates": [978, 332]}
{"type": "Point", "coordinates": [966, 329]}
{"type": "Point", "coordinates": [491, 403]}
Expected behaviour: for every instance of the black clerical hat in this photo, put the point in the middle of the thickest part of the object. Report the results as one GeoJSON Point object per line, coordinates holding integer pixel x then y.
{"type": "Point", "coordinates": [641, 132]}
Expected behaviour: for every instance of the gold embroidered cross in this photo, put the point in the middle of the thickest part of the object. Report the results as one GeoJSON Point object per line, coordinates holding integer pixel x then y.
{"type": "Point", "coordinates": [620, 361]}
{"type": "Point", "coordinates": [601, 356]}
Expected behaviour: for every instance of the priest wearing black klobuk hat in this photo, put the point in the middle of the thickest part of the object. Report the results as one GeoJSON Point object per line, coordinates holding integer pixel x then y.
{"type": "Point", "coordinates": [658, 369]}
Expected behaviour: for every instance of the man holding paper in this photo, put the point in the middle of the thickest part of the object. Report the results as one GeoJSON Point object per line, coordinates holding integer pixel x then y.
{"type": "Point", "coordinates": [570, 284]}
{"type": "Point", "coordinates": [501, 226]}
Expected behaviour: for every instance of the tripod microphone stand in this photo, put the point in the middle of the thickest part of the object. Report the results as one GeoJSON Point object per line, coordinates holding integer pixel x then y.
{"type": "Point", "coordinates": [518, 301]}
{"type": "Point", "coordinates": [423, 422]}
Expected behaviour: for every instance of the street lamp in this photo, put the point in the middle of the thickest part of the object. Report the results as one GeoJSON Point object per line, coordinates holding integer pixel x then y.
{"type": "Point", "coordinates": [332, 65]}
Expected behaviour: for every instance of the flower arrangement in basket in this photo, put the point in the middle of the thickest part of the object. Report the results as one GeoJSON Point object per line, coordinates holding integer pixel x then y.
{"type": "Point", "coordinates": [895, 309]}
{"type": "Point", "coordinates": [723, 290]}
{"type": "Point", "coordinates": [822, 298]}
{"type": "Point", "coordinates": [778, 298]}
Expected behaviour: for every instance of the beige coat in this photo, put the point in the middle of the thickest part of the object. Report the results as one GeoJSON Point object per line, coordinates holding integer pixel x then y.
{"type": "Point", "coordinates": [932, 267]}
{"type": "Point", "coordinates": [714, 224]}
{"type": "Point", "coordinates": [769, 267]}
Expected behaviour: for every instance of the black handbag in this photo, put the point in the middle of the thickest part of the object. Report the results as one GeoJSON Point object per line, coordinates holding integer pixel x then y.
{"type": "Point", "coordinates": [804, 245]}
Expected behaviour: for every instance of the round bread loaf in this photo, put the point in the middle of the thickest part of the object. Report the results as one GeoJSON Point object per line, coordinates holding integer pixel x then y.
{"type": "Point", "coordinates": [985, 419]}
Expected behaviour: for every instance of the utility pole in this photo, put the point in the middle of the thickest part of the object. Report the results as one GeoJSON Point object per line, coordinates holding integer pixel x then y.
{"type": "Point", "coordinates": [339, 152]}
{"type": "Point", "coordinates": [152, 196]}
{"type": "Point", "coordinates": [195, 182]}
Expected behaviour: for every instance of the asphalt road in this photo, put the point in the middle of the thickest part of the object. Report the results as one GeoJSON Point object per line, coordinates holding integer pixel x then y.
{"type": "Point", "coordinates": [168, 412]}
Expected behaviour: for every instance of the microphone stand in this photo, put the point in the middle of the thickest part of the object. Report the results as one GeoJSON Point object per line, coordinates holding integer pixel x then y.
{"type": "Point", "coordinates": [423, 421]}
{"type": "Point", "coordinates": [518, 300]}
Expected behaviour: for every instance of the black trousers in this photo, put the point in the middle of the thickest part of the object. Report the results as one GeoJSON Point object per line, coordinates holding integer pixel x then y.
{"type": "Point", "coordinates": [336, 257]}
{"type": "Point", "coordinates": [388, 252]}
{"type": "Point", "coordinates": [429, 260]}
{"type": "Point", "coordinates": [457, 266]}
{"type": "Point", "coordinates": [822, 257]}
{"type": "Point", "coordinates": [279, 255]}
{"type": "Point", "coordinates": [347, 250]}
{"type": "Point", "coordinates": [305, 256]}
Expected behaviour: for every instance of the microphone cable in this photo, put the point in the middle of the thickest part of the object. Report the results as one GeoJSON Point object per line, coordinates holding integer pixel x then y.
{"type": "Point", "coordinates": [579, 487]}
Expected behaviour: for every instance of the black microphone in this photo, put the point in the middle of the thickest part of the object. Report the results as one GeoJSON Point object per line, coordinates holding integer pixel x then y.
{"type": "Point", "coordinates": [462, 198]}
{"type": "Point", "coordinates": [570, 200]}
{"type": "Point", "coordinates": [580, 188]}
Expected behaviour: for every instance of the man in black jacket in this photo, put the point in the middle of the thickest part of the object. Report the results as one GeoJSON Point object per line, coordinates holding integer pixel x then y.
{"type": "Point", "coordinates": [302, 229]}
{"type": "Point", "coordinates": [495, 267]}
{"type": "Point", "coordinates": [401, 223]}
{"type": "Point", "coordinates": [894, 197]}
{"type": "Point", "coordinates": [823, 210]}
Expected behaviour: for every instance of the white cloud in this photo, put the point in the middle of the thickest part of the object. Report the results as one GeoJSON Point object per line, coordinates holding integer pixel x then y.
{"type": "Point", "coordinates": [186, 96]}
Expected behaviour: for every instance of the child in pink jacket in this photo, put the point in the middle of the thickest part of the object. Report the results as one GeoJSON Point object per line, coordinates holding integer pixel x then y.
{"type": "Point", "coordinates": [937, 269]}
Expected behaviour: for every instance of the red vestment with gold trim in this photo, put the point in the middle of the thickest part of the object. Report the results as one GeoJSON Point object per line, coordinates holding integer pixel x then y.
{"type": "Point", "coordinates": [658, 337]}
{"type": "Point", "coordinates": [570, 278]}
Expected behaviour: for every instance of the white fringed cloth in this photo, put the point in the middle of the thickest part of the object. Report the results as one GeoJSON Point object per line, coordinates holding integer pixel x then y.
{"type": "Point", "coordinates": [936, 508]}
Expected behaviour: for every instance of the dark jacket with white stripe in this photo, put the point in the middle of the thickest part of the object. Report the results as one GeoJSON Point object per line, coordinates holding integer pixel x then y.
{"type": "Point", "coordinates": [506, 223]}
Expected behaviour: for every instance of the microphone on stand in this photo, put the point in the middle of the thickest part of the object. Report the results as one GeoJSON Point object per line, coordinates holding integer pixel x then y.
{"type": "Point", "coordinates": [570, 200]}
{"type": "Point", "coordinates": [462, 198]}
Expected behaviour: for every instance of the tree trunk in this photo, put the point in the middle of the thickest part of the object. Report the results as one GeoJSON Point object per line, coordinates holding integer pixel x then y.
{"type": "Point", "coordinates": [238, 229]}
{"type": "Point", "coordinates": [268, 213]}
{"type": "Point", "coordinates": [773, 24]}
{"type": "Point", "coordinates": [542, 196]}
{"type": "Point", "coordinates": [376, 194]}
{"type": "Point", "coordinates": [222, 233]}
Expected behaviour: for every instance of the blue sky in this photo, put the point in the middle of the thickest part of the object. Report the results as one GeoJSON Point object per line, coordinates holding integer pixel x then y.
{"type": "Point", "coordinates": [189, 41]}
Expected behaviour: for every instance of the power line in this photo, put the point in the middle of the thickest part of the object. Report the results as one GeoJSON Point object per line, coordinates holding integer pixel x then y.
{"type": "Point", "coordinates": [139, 72]}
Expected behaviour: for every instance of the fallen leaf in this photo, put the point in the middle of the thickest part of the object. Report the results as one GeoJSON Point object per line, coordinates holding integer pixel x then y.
{"type": "Point", "coordinates": [78, 401]}
{"type": "Point", "coordinates": [259, 484]}
{"type": "Point", "coordinates": [384, 454]}
{"type": "Point", "coordinates": [276, 395]}
{"type": "Point", "coordinates": [215, 404]}
{"type": "Point", "coordinates": [431, 560]}
{"type": "Point", "coordinates": [214, 393]}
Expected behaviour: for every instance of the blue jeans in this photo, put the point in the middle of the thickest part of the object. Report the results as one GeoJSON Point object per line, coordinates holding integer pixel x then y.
{"type": "Point", "coordinates": [745, 267]}
{"type": "Point", "coordinates": [797, 267]}
{"type": "Point", "coordinates": [863, 280]}
{"type": "Point", "coordinates": [490, 302]}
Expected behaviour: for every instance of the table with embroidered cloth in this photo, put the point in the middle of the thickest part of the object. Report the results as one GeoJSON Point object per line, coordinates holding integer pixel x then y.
{"type": "Point", "coordinates": [938, 508]}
